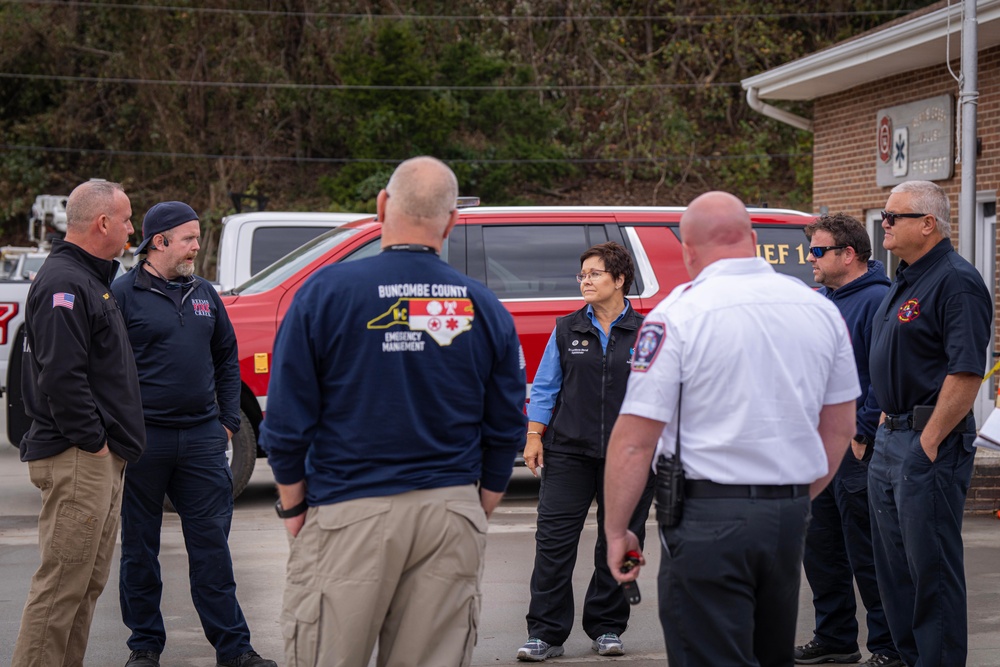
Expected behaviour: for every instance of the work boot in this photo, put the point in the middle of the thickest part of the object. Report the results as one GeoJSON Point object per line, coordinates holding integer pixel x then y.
{"type": "Point", "coordinates": [816, 652]}
{"type": "Point", "coordinates": [143, 659]}
{"type": "Point", "coordinates": [248, 659]}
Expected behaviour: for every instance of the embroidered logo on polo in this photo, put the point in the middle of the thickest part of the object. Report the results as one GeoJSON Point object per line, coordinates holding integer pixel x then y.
{"type": "Point", "coordinates": [651, 336]}
{"type": "Point", "coordinates": [909, 311]}
{"type": "Point", "coordinates": [202, 307]}
{"type": "Point", "coordinates": [442, 319]}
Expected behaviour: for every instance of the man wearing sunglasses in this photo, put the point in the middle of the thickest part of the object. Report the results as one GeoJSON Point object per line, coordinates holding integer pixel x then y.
{"type": "Point", "coordinates": [929, 344]}
{"type": "Point", "coordinates": [839, 542]}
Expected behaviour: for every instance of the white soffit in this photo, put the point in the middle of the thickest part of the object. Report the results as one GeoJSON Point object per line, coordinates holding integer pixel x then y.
{"type": "Point", "coordinates": [904, 47]}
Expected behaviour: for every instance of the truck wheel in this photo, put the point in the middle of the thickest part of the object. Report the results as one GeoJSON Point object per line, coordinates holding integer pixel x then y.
{"type": "Point", "coordinates": [242, 456]}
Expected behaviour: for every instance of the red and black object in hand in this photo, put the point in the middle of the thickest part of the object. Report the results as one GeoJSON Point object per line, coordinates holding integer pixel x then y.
{"type": "Point", "coordinates": [631, 588]}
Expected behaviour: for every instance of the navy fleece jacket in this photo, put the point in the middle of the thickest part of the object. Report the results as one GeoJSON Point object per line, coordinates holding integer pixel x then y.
{"type": "Point", "coordinates": [858, 300]}
{"type": "Point", "coordinates": [391, 374]}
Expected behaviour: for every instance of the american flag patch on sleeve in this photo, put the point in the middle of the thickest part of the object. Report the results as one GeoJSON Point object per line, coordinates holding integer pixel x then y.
{"type": "Point", "coordinates": [63, 300]}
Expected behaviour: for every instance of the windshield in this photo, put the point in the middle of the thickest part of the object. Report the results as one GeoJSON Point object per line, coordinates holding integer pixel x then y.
{"type": "Point", "coordinates": [294, 261]}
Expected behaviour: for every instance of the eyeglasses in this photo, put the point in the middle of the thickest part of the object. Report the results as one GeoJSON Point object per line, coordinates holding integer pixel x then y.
{"type": "Point", "coordinates": [593, 275]}
{"type": "Point", "coordinates": [891, 217]}
{"type": "Point", "coordinates": [820, 250]}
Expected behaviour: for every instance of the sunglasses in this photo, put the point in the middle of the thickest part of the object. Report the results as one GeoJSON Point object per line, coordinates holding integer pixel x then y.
{"type": "Point", "coordinates": [891, 217]}
{"type": "Point", "coordinates": [820, 250]}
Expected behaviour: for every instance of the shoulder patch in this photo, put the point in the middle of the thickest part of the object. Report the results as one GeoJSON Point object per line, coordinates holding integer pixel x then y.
{"type": "Point", "coordinates": [647, 346]}
{"type": "Point", "coordinates": [63, 300]}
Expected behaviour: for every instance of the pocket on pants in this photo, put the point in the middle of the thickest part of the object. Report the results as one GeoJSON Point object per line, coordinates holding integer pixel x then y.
{"type": "Point", "coordinates": [300, 615]}
{"type": "Point", "coordinates": [470, 640]}
{"type": "Point", "coordinates": [40, 474]}
{"type": "Point", "coordinates": [73, 537]}
{"type": "Point", "coordinates": [464, 540]}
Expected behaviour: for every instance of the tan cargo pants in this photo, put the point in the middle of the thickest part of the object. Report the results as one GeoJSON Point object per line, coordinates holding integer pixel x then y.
{"type": "Point", "coordinates": [77, 527]}
{"type": "Point", "coordinates": [403, 570]}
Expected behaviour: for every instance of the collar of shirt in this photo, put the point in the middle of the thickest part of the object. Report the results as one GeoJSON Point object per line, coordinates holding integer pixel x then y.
{"type": "Point", "coordinates": [911, 272]}
{"type": "Point", "coordinates": [600, 331]}
{"type": "Point", "coordinates": [733, 266]}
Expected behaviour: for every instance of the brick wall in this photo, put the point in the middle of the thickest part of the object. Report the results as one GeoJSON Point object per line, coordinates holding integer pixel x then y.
{"type": "Point", "coordinates": [844, 158]}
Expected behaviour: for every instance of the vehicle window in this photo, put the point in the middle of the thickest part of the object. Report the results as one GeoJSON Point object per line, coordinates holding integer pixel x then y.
{"type": "Point", "coordinates": [537, 261]}
{"type": "Point", "coordinates": [369, 249]}
{"type": "Point", "coordinates": [31, 266]}
{"type": "Point", "coordinates": [276, 273]}
{"type": "Point", "coordinates": [374, 247]}
{"type": "Point", "coordinates": [272, 243]}
{"type": "Point", "coordinates": [785, 247]}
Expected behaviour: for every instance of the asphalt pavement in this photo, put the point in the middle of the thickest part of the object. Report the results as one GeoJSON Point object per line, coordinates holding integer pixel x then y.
{"type": "Point", "coordinates": [260, 548]}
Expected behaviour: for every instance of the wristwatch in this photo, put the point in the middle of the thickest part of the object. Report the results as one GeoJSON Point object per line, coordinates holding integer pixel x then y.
{"type": "Point", "coordinates": [869, 446]}
{"type": "Point", "coordinates": [292, 512]}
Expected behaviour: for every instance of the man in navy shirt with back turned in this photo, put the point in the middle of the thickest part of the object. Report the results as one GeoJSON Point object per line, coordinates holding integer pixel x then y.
{"type": "Point", "coordinates": [395, 409]}
{"type": "Point", "coordinates": [929, 343]}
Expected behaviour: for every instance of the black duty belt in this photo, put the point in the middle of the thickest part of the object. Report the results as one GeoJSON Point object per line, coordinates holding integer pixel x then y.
{"type": "Point", "coordinates": [904, 422]}
{"type": "Point", "coordinates": [703, 488]}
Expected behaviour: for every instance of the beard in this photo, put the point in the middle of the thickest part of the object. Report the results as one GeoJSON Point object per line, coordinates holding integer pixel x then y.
{"type": "Point", "coordinates": [184, 270]}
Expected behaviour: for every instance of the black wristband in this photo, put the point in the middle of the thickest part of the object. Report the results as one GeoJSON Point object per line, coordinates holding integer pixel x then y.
{"type": "Point", "coordinates": [292, 512]}
{"type": "Point", "coordinates": [863, 440]}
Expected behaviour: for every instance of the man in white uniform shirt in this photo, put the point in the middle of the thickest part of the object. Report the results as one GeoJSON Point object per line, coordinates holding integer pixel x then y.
{"type": "Point", "coordinates": [764, 372]}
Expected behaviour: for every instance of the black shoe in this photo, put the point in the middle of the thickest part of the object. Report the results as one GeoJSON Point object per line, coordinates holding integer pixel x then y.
{"type": "Point", "coordinates": [883, 660]}
{"type": "Point", "coordinates": [816, 652]}
{"type": "Point", "coordinates": [248, 659]}
{"type": "Point", "coordinates": [143, 659]}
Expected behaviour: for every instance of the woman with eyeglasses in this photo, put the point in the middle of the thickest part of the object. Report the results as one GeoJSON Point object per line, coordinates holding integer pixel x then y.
{"type": "Point", "coordinates": [575, 398]}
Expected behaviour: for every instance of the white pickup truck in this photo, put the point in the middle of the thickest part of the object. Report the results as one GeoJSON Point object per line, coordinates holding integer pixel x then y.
{"type": "Point", "coordinates": [253, 241]}
{"type": "Point", "coordinates": [250, 242]}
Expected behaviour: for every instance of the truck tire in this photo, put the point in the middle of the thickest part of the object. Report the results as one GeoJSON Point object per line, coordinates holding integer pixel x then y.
{"type": "Point", "coordinates": [242, 455]}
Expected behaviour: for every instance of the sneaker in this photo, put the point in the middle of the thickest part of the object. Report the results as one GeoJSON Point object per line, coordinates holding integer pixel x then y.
{"type": "Point", "coordinates": [535, 650]}
{"type": "Point", "coordinates": [143, 659]}
{"type": "Point", "coordinates": [816, 652]}
{"type": "Point", "coordinates": [248, 659]}
{"type": "Point", "coordinates": [608, 644]}
{"type": "Point", "coordinates": [883, 660]}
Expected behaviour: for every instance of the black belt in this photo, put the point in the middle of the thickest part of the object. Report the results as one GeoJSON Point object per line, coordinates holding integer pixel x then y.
{"type": "Point", "coordinates": [899, 422]}
{"type": "Point", "coordinates": [904, 422]}
{"type": "Point", "coordinates": [703, 488]}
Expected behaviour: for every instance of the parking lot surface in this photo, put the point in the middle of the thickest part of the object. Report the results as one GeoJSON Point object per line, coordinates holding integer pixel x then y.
{"type": "Point", "coordinates": [260, 547]}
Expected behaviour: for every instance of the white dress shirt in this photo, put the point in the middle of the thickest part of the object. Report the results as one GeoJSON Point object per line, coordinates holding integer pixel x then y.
{"type": "Point", "coordinates": [759, 355]}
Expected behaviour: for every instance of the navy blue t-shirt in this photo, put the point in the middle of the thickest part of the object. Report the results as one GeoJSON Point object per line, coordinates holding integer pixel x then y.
{"type": "Point", "coordinates": [935, 321]}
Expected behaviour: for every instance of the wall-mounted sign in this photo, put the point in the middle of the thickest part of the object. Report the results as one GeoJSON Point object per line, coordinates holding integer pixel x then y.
{"type": "Point", "coordinates": [916, 141]}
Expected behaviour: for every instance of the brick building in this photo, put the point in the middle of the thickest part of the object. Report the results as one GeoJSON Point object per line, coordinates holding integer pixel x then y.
{"type": "Point", "coordinates": [889, 94]}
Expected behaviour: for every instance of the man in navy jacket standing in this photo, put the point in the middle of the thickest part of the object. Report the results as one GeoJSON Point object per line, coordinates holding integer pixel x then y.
{"type": "Point", "coordinates": [396, 407]}
{"type": "Point", "coordinates": [839, 540]}
{"type": "Point", "coordinates": [189, 379]}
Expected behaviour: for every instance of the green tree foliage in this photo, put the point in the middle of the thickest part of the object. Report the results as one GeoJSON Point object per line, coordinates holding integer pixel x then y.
{"type": "Point", "coordinates": [195, 100]}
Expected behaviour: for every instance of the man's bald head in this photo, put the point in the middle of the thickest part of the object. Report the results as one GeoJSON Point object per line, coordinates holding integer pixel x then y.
{"type": "Point", "coordinates": [715, 226]}
{"type": "Point", "coordinates": [422, 188]}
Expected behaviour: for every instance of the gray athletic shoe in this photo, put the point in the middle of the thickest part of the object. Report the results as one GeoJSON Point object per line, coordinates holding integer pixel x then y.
{"type": "Point", "coordinates": [535, 650]}
{"type": "Point", "coordinates": [608, 644]}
